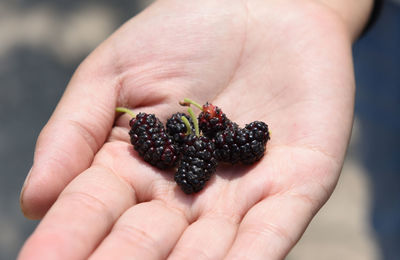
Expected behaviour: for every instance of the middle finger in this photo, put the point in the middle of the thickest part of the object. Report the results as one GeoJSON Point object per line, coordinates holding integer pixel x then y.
{"type": "Point", "coordinates": [148, 230]}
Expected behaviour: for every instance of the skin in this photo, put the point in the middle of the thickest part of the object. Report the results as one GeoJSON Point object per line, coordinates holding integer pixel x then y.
{"type": "Point", "coordinates": [287, 63]}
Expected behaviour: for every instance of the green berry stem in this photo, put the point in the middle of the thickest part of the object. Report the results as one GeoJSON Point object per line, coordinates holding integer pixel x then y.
{"type": "Point", "coordinates": [125, 110]}
{"type": "Point", "coordinates": [187, 124]}
{"type": "Point", "coordinates": [195, 122]}
{"type": "Point", "coordinates": [194, 103]}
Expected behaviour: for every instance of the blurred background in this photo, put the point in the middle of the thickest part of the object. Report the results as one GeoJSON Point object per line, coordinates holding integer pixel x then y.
{"type": "Point", "coordinates": [43, 41]}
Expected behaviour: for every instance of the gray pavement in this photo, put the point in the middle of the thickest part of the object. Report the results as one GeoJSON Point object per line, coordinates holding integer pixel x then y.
{"type": "Point", "coordinates": [41, 43]}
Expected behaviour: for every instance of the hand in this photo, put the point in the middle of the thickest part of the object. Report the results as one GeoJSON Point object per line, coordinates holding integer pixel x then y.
{"type": "Point", "coordinates": [287, 63]}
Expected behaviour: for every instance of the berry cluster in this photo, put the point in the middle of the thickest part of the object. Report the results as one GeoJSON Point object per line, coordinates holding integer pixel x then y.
{"type": "Point", "coordinates": [196, 145]}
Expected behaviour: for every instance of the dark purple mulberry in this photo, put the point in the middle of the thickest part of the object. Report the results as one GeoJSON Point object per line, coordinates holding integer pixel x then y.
{"type": "Point", "coordinates": [212, 120]}
{"type": "Point", "coordinates": [245, 145]}
{"type": "Point", "coordinates": [149, 138]}
{"type": "Point", "coordinates": [197, 164]}
{"type": "Point", "coordinates": [260, 131]}
{"type": "Point", "coordinates": [176, 128]}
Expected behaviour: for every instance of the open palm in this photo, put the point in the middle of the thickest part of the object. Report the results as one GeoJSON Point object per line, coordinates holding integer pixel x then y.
{"type": "Point", "coordinates": [287, 63]}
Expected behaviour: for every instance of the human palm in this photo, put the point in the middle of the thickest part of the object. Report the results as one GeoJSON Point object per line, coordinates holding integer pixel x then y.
{"type": "Point", "coordinates": [284, 63]}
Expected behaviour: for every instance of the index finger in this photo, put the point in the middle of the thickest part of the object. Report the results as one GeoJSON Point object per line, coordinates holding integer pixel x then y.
{"type": "Point", "coordinates": [77, 129]}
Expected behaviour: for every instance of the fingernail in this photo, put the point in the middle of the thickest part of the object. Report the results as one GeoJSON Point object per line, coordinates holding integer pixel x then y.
{"type": "Point", "coordinates": [24, 186]}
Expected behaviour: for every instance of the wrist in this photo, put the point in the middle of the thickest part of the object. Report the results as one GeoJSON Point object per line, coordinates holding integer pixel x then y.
{"type": "Point", "coordinates": [354, 14]}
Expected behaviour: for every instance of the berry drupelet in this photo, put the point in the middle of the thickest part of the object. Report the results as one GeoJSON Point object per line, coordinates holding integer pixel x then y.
{"type": "Point", "coordinates": [177, 129]}
{"type": "Point", "coordinates": [246, 145]}
{"type": "Point", "coordinates": [149, 138]}
{"type": "Point", "coordinates": [197, 164]}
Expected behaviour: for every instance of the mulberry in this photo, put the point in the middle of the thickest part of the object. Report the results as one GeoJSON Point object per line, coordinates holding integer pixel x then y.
{"type": "Point", "coordinates": [212, 120]}
{"type": "Point", "coordinates": [245, 145]}
{"type": "Point", "coordinates": [197, 164]}
{"type": "Point", "coordinates": [176, 128]}
{"type": "Point", "coordinates": [149, 138]}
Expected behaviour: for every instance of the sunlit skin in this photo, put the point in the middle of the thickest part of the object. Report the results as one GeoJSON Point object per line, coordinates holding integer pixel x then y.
{"type": "Point", "coordinates": [287, 63]}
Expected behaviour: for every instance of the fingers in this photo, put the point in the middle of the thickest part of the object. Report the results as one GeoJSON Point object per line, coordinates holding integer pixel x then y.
{"type": "Point", "coordinates": [222, 207]}
{"type": "Point", "coordinates": [81, 217]}
{"type": "Point", "coordinates": [146, 231]}
{"type": "Point", "coordinates": [74, 133]}
{"type": "Point", "coordinates": [210, 237]}
{"type": "Point", "coordinates": [273, 226]}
